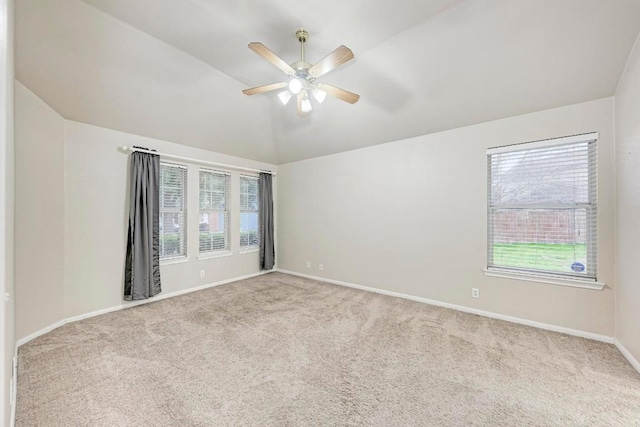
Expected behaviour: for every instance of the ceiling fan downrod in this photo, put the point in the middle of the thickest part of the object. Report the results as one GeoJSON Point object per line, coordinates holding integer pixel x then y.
{"type": "Point", "coordinates": [302, 35]}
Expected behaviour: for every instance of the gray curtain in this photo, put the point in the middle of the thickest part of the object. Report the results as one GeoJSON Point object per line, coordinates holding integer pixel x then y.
{"type": "Point", "coordinates": [142, 266]}
{"type": "Point", "coordinates": [267, 246]}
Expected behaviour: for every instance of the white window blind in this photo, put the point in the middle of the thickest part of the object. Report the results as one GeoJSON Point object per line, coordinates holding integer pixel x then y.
{"type": "Point", "coordinates": [214, 211]}
{"type": "Point", "coordinates": [542, 208]}
{"type": "Point", "coordinates": [249, 208]}
{"type": "Point", "coordinates": [173, 210]}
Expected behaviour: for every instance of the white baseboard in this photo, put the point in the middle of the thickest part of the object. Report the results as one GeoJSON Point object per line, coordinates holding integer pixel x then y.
{"type": "Point", "coordinates": [40, 332]}
{"type": "Point", "coordinates": [127, 304]}
{"type": "Point", "coordinates": [539, 325]}
{"type": "Point", "coordinates": [626, 353]}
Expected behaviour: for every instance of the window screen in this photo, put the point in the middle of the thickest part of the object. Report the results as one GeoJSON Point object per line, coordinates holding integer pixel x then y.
{"type": "Point", "coordinates": [214, 211]}
{"type": "Point", "coordinates": [173, 211]}
{"type": "Point", "coordinates": [249, 207]}
{"type": "Point", "coordinates": [542, 207]}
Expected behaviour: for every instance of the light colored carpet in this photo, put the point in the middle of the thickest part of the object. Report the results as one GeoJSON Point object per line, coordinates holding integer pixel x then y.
{"type": "Point", "coordinates": [278, 350]}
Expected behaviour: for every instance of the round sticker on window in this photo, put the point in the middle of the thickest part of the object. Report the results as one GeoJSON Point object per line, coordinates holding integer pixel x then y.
{"type": "Point", "coordinates": [578, 267]}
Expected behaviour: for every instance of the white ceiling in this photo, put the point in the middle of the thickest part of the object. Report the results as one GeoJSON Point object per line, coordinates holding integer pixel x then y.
{"type": "Point", "coordinates": [174, 69]}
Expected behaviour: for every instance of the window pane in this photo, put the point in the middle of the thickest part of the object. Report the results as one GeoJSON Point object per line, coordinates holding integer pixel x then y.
{"type": "Point", "coordinates": [249, 201]}
{"type": "Point", "coordinates": [535, 239]}
{"type": "Point", "coordinates": [542, 209]}
{"type": "Point", "coordinates": [212, 231]}
{"type": "Point", "coordinates": [172, 219]}
{"type": "Point", "coordinates": [214, 212]}
{"type": "Point", "coordinates": [544, 175]}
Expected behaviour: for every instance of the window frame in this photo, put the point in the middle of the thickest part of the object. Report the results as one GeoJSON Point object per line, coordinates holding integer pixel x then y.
{"type": "Point", "coordinates": [183, 257]}
{"type": "Point", "coordinates": [256, 247]}
{"type": "Point", "coordinates": [548, 276]}
{"type": "Point", "coordinates": [227, 250]}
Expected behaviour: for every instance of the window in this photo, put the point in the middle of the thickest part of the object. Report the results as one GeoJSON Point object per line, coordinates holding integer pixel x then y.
{"type": "Point", "coordinates": [173, 211]}
{"type": "Point", "coordinates": [542, 208]}
{"type": "Point", "coordinates": [249, 205]}
{"type": "Point", "coordinates": [214, 212]}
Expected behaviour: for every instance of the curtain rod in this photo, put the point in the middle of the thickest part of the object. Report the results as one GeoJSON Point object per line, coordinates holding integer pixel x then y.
{"type": "Point", "coordinates": [191, 160]}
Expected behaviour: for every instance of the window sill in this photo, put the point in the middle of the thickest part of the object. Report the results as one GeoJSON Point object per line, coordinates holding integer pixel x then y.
{"type": "Point", "coordinates": [177, 260]}
{"type": "Point", "coordinates": [250, 250]}
{"type": "Point", "coordinates": [598, 286]}
{"type": "Point", "coordinates": [213, 255]}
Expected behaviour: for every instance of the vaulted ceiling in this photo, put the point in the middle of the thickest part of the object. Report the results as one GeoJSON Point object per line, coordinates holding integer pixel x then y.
{"type": "Point", "coordinates": [174, 69]}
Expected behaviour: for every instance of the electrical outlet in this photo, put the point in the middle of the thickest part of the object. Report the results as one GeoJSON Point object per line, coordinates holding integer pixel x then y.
{"type": "Point", "coordinates": [308, 264]}
{"type": "Point", "coordinates": [320, 267]}
{"type": "Point", "coordinates": [201, 273]}
{"type": "Point", "coordinates": [475, 292]}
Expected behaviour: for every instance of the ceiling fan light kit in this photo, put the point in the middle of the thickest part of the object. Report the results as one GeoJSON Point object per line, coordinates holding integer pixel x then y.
{"type": "Point", "coordinates": [285, 97]}
{"type": "Point", "coordinates": [302, 76]}
{"type": "Point", "coordinates": [319, 95]}
{"type": "Point", "coordinates": [305, 105]}
{"type": "Point", "coordinates": [295, 85]}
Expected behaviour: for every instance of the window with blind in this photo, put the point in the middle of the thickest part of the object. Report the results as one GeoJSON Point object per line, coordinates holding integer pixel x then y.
{"type": "Point", "coordinates": [249, 205]}
{"type": "Point", "coordinates": [173, 211]}
{"type": "Point", "coordinates": [214, 212]}
{"type": "Point", "coordinates": [542, 208]}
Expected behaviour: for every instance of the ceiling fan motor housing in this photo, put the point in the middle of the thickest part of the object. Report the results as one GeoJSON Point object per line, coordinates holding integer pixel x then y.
{"type": "Point", "coordinates": [301, 67]}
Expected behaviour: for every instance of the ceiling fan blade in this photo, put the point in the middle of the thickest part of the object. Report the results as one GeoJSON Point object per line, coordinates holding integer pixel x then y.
{"type": "Point", "coordinates": [299, 102]}
{"type": "Point", "coordinates": [264, 88]}
{"type": "Point", "coordinates": [342, 94]}
{"type": "Point", "coordinates": [267, 54]}
{"type": "Point", "coordinates": [331, 61]}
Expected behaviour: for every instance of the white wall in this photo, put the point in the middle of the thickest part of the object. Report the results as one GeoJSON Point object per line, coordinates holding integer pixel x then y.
{"type": "Point", "coordinates": [73, 217]}
{"type": "Point", "coordinates": [7, 343]}
{"type": "Point", "coordinates": [96, 218]}
{"type": "Point", "coordinates": [628, 206]}
{"type": "Point", "coordinates": [39, 225]}
{"type": "Point", "coordinates": [410, 216]}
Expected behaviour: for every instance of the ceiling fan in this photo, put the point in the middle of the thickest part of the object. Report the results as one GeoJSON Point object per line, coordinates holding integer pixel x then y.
{"type": "Point", "coordinates": [302, 76]}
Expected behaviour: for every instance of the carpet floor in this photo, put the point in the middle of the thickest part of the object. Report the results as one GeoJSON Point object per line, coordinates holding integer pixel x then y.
{"type": "Point", "coordinates": [279, 350]}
